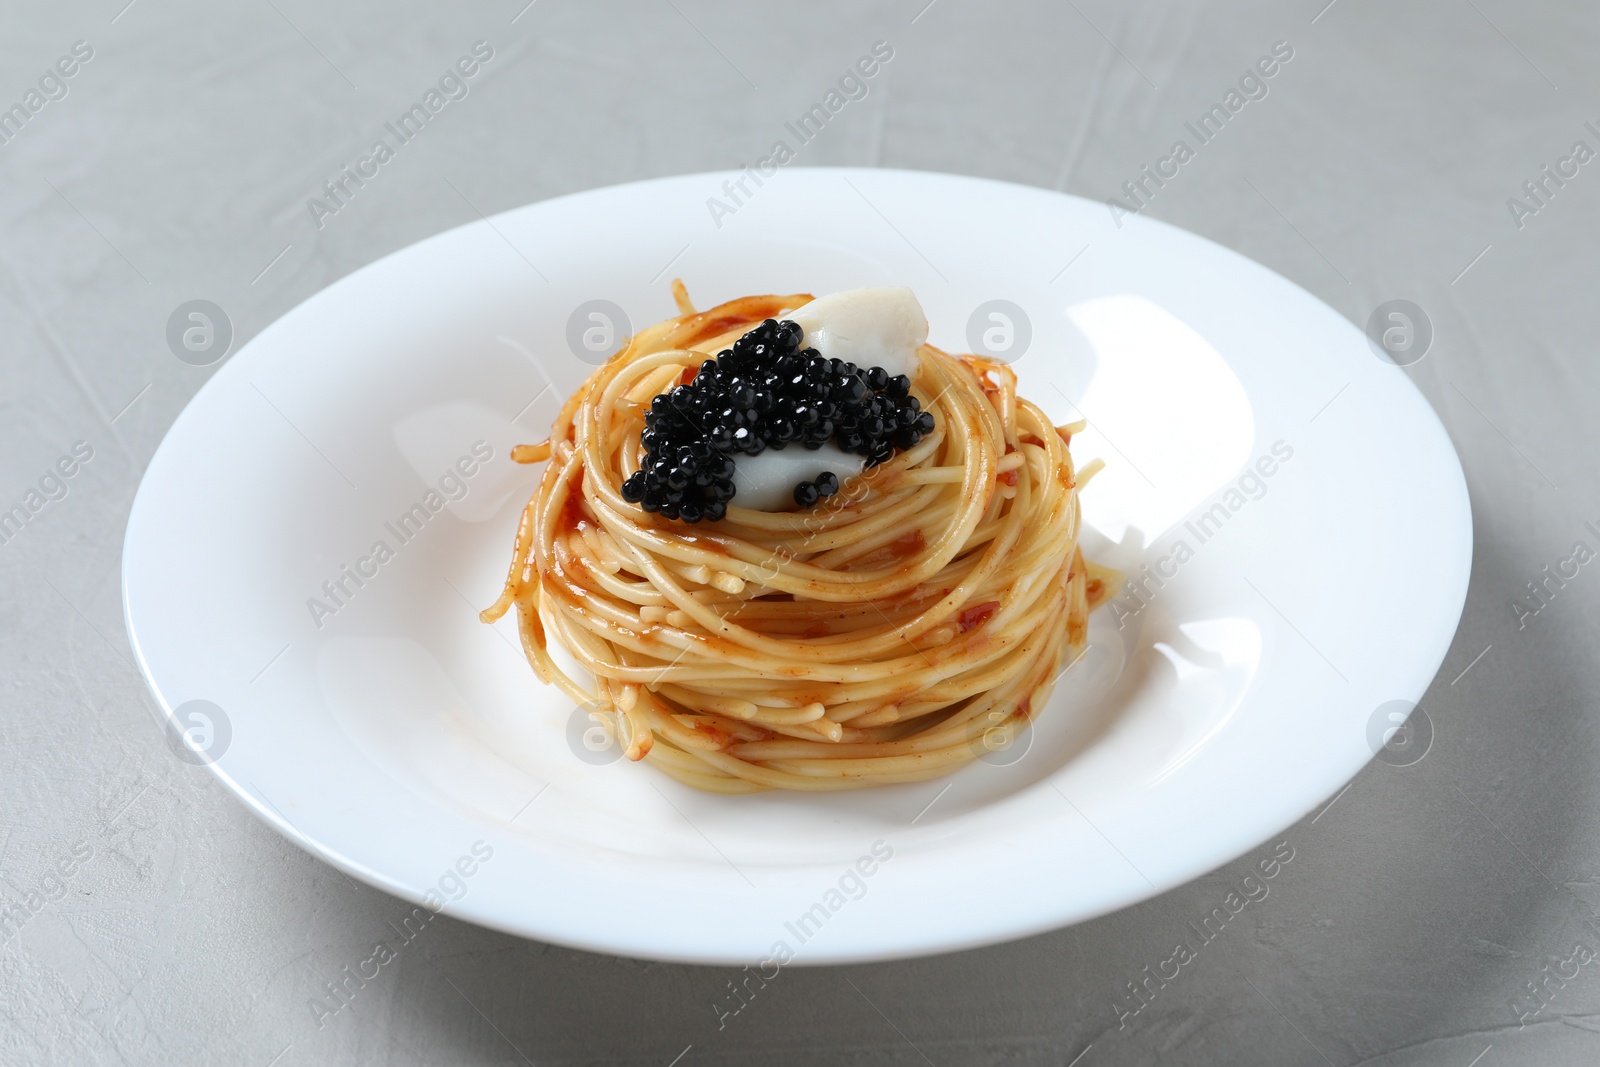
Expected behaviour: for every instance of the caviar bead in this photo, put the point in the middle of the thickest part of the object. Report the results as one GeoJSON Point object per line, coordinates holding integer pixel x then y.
{"type": "Point", "coordinates": [925, 422]}
{"type": "Point", "coordinates": [877, 379]}
{"type": "Point", "coordinates": [806, 494]}
{"type": "Point", "coordinates": [633, 488]}
{"type": "Point", "coordinates": [827, 483]}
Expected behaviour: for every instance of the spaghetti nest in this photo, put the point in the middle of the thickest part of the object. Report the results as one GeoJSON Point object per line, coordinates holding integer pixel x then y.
{"type": "Point", "coordinates": [904, 626]}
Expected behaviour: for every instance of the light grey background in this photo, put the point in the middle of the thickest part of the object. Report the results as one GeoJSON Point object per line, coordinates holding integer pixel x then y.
{"type": "Point", "coordinates": [1418, 905]}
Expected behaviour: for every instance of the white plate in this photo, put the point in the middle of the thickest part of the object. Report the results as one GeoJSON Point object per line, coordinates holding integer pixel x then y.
{"type": "Point", "coordinates": [393, 735]}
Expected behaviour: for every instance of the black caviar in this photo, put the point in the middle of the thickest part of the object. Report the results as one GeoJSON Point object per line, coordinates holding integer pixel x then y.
{"type": "Point", "coordinates": [766, 392]}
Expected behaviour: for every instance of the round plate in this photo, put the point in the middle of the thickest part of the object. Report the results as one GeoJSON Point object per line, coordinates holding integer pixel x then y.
{"type": "Point", "coordinates": [311, 544]}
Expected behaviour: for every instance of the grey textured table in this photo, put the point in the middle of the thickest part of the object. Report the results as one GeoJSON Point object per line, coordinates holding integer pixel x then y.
{"type": "Point", "coordinates": [1434, 914]}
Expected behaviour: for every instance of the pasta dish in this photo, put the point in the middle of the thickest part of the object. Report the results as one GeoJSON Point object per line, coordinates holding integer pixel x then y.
{"type": "Point", "coordinates": [791, 545]}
